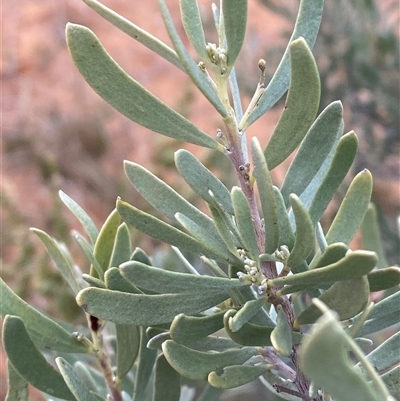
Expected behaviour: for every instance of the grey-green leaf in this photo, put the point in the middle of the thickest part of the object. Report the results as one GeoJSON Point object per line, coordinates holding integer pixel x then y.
{"type": "Point", "coordinates": [286, 236]}
{"type": "Point", "coordinates": [125, 308]}
{"type": "Point", "coordinates": [191, 68]}
{"type": "Point", "coordinates": [29, 362]}
{"type": "Point", "coordinates": [391, 380]}
{"type": "Point", "coordinates": [122, 247]}
{"type": "Point", "coordinates": [383, 279]}
{"type": "Point", "coordinates": [234, 18]}
{"type": "Point", "coordinates": [267, 197]}
{"type": "Point", "coordinates": [301, 105]}
{"type": "Point", "coordinates": [17, 386]}
{"type": "Point", "coordinates": [356, 264]}
{"type": "Point", "coordinates": [307, 25]}
{"type": "Point", "coordinates": [197, 365]}
{"type": "Point", "coordinates": [304, 238]}
{"type": "Point", "coordinates": [81, 215]}
{"type": "Point", "coordinates": [244, 222]}
{"type": "Point", "coordinates": [165, 199]}
{"type": "Point", "coordinates": [62, 262]}
{"type": "Point", "coordinates": [74, 383]}
{"type": "Point", "coordinates": [236, 375]}
{"type": "Point", "coordinates": [318, 142]}
{"type": "Point", "coordinates": [339, 167]}
{"type": "Point", "coordinates": [164, 281]}
{"type": "Point", "coordinates": [202, 180]}
{"type": "Point", "coordinates": [121, 91]}
{"type": "Point", "coordinates": [114, 281]}
{"type": "Point", "coordinates": [167, 381]}
{"type": "Point", "coordinates": [128, 340]}
{"type": "Point", "coordinates": [249, 309]}
{"type": "Point", "coordinates": [281, 336]}
{"type": "Point", "coordinates": [193, 26]}
{"type": "Point", "coordinates": [45, 332]}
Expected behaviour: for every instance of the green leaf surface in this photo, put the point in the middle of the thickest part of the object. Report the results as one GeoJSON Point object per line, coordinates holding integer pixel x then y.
{"type": "Point", "coordinates": [63, 264]}
{"type": "Point", "coordinates": [202, 180]}
{"type": "Point", "coordinates": [267, 197]}
{"type": "Point", "coordinates": [307, 26]}
{"type": "Point", "coordinates": [392, 380]}
{"type": "Point", "coordinates": [384, 279]}
{"type": "Point", "coordinates": [234, 18]}
{"type": "Point", "coordinates": [88, 252]}
{"type": "Point", "coordinates": [370, 235]}
{"type": "Point", "coordinates": [105, 241]}
{"type": "Point", "coordinates": [244, 314]}
{"type": "Point", "coordinates": [197, 76]}
{"type": "Point", "coordinates": [213, 343]}
{"type": "Point", "coordinates": [84, 373]}
{"type": "Point", "coordinates": [139, 255]}
{"type": "Point", "coordinates": [197, 365]}
{"type": "Point", "coordinates": [121, 91]}
{"type": "Point", "coordinates": [352, 210]}
{"type": "Point", "coordinates": [339, 167]}
{"type": "Point", "coordinates": [332, 254]}
{"type": "Point", "coordinates": [81, 215]}
{"type": "Point", "coordinates": [304, 237]}
{"type": "Point", "coordinates": [328, 341]}
{"type": "Point", "coordinates": [235, 376]}
{"type": "Point", "coordinates": [286, 236]}
{"type": "Point", "coordinates": [17, 386]}
{"type": "Point", "coordinates": [356, 264]}
{"type": "Point", "coordinates": [74, 382]}
{"type": "Point", "coordinates": [128, 340]}
{"type": "Point", "coordinates": [125, 308]}
{"type": "Point", "coordinates": [347, 298]}
{"type": "Point", "coordinates": [147, 359]}
{"type": "Point", "coordinates": [281, 336]}
{"type": "Point", "coordinates": [193, 26]}
{"type": "Point", "coordinates": [136, 33]}
{"type": "Point", "coordinates": [93, 281]}
{"type": "Point", "coordinates": [301, 106]}
{"type": "Point", "coordinates": [318, 142]}
{"type": "Point", "coordinates": [187, 329]}
{"type": "Point", "coordinates": [45, 332]}
{"type": "Point", "coordinates": [165, 199]}
{"type": "Point", "coordinates": [157, 229]}
{"type": "Point", "coordinates": [167, 381]}
{"type": "Point", "coordinates": [164, 281]}
{"type": "Point", "coordinates": [122, 247]}
{"type": "Point", "coordinates": [114, 281]}
{"type": "Point", "coordinates": [27, 360]}
{"type": "Point", "coordinates": [244, 222]}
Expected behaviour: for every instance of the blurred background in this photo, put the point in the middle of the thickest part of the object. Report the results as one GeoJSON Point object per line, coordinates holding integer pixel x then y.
{"type": "Point", "coordinates": [58, 134]}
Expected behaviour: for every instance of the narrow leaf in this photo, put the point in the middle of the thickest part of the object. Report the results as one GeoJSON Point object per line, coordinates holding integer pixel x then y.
{"type": "Point", "coordinates": [244, 222]}
{"type": "Point", "coordinates": [234, 18]}
{"type": "Point", "coordinates": [17, 386]}
{"type": "Point", "coordinates": [191, 68]}
{"type": "Point", "coordinates": [301, 105]}
{"type": "Point", "coordinates": [121, 91]}
{"type": "Point", "coordinates": [237, 375]}
{"type": "Point", "coordinates": [286, 236]}
{"type": "Point", "coordinates": [114, 281]}
{"type": "Point", "coordinates": [147, 359]}
{"type": "Point", "coordinates": [105, 241]}
{"type": "Point", "coordinates": [267, 197]}
{"type": "Point", "coordinates": [384, 279]}
{"type": "Point", "coordinates": [249, 309]}
{"type": "Point", "coordinates": [128, 340]}
{"type": "Point", "coordinates": [81, 215]}
{"type": "Point", "coordinates": [391, 380]}
{"type": "Point", "coordinates": [125, 308]}
{"type": "Point", "coordinates": [307, 26]}
{"type": "Point", "coordinates": [122, 247]}
{"type": "Point", "coordinates": [197, 365]}
{"type": "Point", "coordinates": [45, 332]}
{"type": "Point", "coordinates": [202, 180]}
{"type": "Point", "coordinates": [332, 254]}
{"type": "Point", "coordinates": [88, 252]}
{"type": "Point", "coordinates": [304, 239]}
{"type": "Point", "coordinates": [165, 199]}
{"type": "Point", "coordinates": [164, 281]}
{"type": "Point", "coordinates": [62, 262]}
{"type": "Point", "coordinates": [167, 381]}
{"type": "Point", "coordinates": [140, 256]}
{"type": "Point", "coordinates": [281, 336]}
{"type": "Point", "coordinates": [356, 264]}
{"type": "Point", "coordinates": [341, 163]}
{"type": "Point", "coordinates": [74, 383]}
{"type": "Point", "coordinates": [318, 142]}
{"type": "Point", "coordinates": [193, 26]}
{"type": "Point", "coordinates": [29, 362]}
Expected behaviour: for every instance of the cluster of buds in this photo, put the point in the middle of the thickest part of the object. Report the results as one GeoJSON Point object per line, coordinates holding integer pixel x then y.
{"type": "Point", "coordinates": [217, 56]}
{"type": "Point", "coordinates": [253, 273]}
{"type": "Point", "coordinates": [283, 254]}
